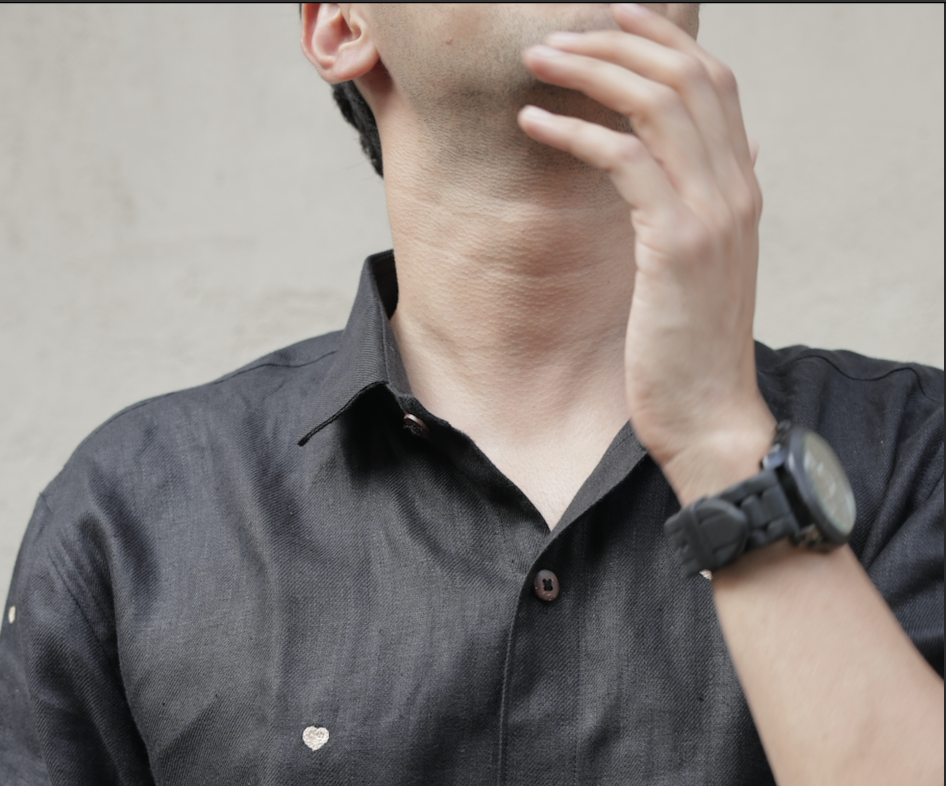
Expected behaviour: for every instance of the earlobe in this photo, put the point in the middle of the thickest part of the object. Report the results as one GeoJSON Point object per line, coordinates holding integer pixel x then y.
{"type": "Point", "coordinates": [336, 42]}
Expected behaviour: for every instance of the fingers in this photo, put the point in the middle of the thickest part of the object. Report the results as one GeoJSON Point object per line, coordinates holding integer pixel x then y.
{"type": "Point", "coordinates": [658, 115]}
{"type": "Point", "coordinates": [634, 18]}
{"type": "Point", "coordinates": [681, 73]}
{"type": "Point", "coordinates": [638, 177]}
{"type": "Point", "coordinates": [683, 104]}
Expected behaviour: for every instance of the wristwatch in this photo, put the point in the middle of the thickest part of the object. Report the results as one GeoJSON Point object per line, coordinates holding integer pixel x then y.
{"type": "Point", "coordinates": [802, 493]}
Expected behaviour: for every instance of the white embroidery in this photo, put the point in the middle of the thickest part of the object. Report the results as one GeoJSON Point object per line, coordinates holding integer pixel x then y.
{"type": "Point", "coordinates": [707, 574]}
{"type": "Point", "coordinates": [11, 614]}
{"type": "Point", "coordinates": [315, 737]}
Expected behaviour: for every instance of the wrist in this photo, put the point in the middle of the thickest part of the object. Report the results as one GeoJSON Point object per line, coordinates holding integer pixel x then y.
{"type": "Point", "coordinates": [720, 456]}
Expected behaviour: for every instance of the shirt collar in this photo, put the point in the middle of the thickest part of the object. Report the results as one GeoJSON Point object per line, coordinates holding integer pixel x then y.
{"type": "Point", "coordinates": [367, 356]}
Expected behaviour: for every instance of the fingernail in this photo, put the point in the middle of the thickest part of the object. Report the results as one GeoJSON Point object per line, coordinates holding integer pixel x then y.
{"type": "Point", "coordinates": [562, 38]}
{"type": "Point", "coordinates": [530, 112]}
{"type": "Point", "coordinates": [545, 51]}
{"type": "Point", "coordinates": [634, 9]}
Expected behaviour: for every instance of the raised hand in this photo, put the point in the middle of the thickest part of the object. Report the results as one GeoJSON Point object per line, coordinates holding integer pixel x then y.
{"type": "Point", "coordinates": [687, 174]}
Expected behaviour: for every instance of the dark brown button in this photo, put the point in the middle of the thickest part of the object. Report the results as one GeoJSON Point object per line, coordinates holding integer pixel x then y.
{"type": "Point", "coordinates": [546, 585]}
{"type": "Point", "coordinates": [416, 426]}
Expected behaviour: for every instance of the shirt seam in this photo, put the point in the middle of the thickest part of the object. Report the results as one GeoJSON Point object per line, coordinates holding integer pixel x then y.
{"type": "Point", "coordinates": [814, 355]}
{"type": "Point", "coordinates": [226, 378]}
{"type": "Point", "coordinates": [254, 367]}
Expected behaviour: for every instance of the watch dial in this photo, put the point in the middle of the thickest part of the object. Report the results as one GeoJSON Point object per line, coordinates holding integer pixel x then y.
{"type": "Point", "coordinates": [829, 483]}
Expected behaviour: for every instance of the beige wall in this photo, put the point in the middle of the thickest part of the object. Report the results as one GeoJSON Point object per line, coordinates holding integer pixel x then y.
{"type": "Point", "coordinates": [179, 196]}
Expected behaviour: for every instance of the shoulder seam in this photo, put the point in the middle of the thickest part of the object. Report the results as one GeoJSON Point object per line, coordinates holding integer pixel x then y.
{"type": "Point", "coordinates": [813, 355]}
{"type": "Point", "coordinates": [255, 366]}
{"type": "Point", "coordinates": [225, 378]}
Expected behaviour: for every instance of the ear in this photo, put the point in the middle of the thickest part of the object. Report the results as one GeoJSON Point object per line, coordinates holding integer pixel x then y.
{"type": "Point", "coordinates": [336, 41]}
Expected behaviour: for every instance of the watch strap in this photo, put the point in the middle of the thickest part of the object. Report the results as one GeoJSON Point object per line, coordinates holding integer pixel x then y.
{"type": "Point", "coordinates": [712, 532]}
{"type": "Point", "coordinates": [764, 502]}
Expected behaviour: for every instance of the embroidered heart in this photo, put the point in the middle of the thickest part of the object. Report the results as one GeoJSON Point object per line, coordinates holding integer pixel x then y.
{"type": "Point", "coordinates": [315, 737]}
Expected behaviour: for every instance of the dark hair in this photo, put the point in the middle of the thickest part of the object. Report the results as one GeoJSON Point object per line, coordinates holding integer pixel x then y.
{"type": "Point", "coordinates": [357, 112]}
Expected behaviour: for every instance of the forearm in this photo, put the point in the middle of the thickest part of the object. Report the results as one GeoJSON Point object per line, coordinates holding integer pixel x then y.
{"type": "Point", "coordinates": [838, 692]}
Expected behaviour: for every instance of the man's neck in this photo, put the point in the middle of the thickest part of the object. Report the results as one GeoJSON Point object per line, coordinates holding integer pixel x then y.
{"type": "Point", "coordinates": [514, 288]}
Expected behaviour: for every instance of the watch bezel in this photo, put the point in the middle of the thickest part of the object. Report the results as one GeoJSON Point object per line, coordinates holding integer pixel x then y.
{"type": "Point", "coordinates": [808, 508]}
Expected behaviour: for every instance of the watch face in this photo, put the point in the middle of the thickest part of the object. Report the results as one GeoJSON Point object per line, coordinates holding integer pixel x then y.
{"type": "Point", "coordinates": [829, 483]}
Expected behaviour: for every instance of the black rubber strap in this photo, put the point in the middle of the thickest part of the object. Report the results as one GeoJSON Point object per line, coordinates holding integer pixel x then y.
{"type": "Point", "coordinates": [712, 532]}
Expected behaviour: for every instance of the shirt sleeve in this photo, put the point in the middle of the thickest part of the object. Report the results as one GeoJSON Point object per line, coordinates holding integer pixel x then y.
{"type": "Point", "coordinates": [908, 572]}
{"type": "Point", "coordinates": [901, 540]}
{"type": "Point", "coordinates": [65, 719]}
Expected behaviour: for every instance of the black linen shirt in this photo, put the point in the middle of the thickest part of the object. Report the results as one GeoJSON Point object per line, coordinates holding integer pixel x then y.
{"type": "Point", "coordinates": [270, 580]}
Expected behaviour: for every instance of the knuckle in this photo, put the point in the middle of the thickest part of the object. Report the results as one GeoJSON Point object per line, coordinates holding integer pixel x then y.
{"type": "Point", "coordinates": [688, 70]}
{"type": "Point", "coordinates": [629, 149]}
{"type": "Point", "coordinates": [662, 100]}
{"type": "Point", "coordinates": [618, 154]}
{"type": "Point", "coordinates": [745, 204]}
{"type": "Point", "coordinates": [751, 199]}
{"type": "Point", "coordinates": [578, 134]}
{"type": "Point", "coordinates": [723, 77]}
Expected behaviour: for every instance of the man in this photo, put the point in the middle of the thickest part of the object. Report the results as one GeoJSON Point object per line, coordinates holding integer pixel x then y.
{"type": "Point", "coordinates": [431, 549]}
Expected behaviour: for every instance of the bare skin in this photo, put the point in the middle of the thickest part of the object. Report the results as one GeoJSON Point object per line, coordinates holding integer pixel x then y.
{"type": "Point", "coordinates": [559, 275]}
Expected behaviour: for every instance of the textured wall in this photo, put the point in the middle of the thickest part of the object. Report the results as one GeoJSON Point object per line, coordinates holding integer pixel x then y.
{"type": "Point", "coordinates": [179, 196]}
